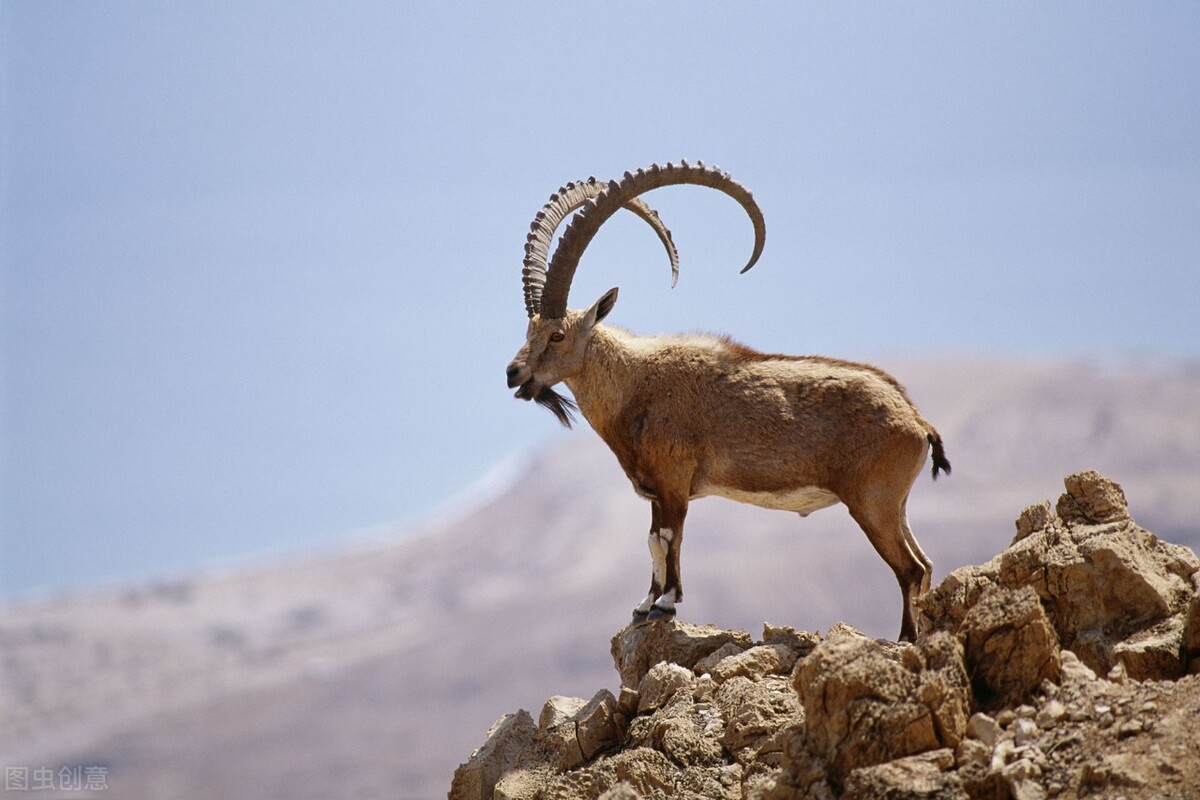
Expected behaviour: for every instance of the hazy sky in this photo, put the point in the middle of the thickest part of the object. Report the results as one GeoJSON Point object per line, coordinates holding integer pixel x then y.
{"type": "Point", "coordinates": [261, 261]}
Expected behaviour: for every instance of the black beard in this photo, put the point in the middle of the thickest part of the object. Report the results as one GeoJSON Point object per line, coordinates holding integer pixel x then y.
{"type": "Point", "coordinates": [557, 403]}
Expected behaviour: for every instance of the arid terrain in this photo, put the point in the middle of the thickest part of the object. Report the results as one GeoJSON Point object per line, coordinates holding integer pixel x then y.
{"type": "Point", "coordinates": [373, 671]}
{"type": "Point", "coordinates": [1067, 665]}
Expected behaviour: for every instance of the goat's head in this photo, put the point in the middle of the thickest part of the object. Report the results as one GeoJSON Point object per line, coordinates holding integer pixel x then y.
{"type": "Point", "coordinates": [556, 340]}
{"type": "Point", "coordinates": [553, 350]}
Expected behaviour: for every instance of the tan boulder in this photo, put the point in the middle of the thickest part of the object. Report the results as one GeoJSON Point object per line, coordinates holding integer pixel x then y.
{"type": "Point", "coordinates": [639, 647]}
{"type": "Point", "coordinates": [864, 708]}
{"type": "Point", "coordinates": [1010, 647]}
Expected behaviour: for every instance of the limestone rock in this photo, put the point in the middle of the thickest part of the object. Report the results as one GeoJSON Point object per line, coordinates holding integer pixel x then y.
{"type": "Point", "coordinates": [920, 776]}
{"type": "Point", "coordinates": [943, 685]}
{"type": "Point", "coordinates": [946, 605]}
{"type": "Point", "coordinates": [1010, 647]}
{"type": "Point", "coordinates": [754, 710]}
{"type": "Point", "coordinates": [706, 664]}
{"type": "Point", "coordinates": [1191, 630]}
{"type": "Point", "coordinates": [661, 683]}
{"type": "Point", "coordinates": [758, 662]}
{"type": "Point", "coordinates": [1114, 593]}
{"type": "Point", "coordinates": [863, 708]}
{"type": "Point", "coordinates": [639, 647]}
{"type": "Point", "coordinates": [984, 728]}
{"type": "Point", "coordinates": [801, 641]}
{"type": "Point", "coordinates": [1153, 653]}
{"type": "Point", "coordinates": [1092, 499]}
{"type": "Point", "coordinates": [594, 724]}
{"type": "Point", "coordinates": [622, 791]}
{"type": "Point", "coordinates": [1037, 517]}
{"type": "Point", "coordinates": [510, 745]}
{"type": "Point", "coordinates": [559, 709]}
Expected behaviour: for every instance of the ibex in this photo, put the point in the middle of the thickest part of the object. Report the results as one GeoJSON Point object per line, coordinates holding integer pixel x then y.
{"type": "Point", "coordinates": [691, 416]}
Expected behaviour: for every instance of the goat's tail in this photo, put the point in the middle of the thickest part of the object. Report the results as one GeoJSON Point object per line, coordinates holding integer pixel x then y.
{"type": "Point", "coordinates": [940, 462]}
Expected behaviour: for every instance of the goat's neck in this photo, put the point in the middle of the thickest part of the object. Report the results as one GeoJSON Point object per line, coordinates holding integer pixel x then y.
{"type": "Point", "coordinates": [602, 384]}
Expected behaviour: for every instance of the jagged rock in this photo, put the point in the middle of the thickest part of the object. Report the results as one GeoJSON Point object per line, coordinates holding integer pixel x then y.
{"type": "Point", "coordinates": [943, 684]}
{"type": "Point", "coordinates": [622, 791]}
{"type": "Point", "coordinates": [1115, 594]}
{"type": "Point", "coordinates": [595, 728]}
{"type": "Point", "coordinates": [1037, 517]}
{"type": "Point", "coordinates": [591, 727]}
{"type": "Point", "coordinates": [801, 641]}
{"type": "Point", "coordinates": [803, 776]}
{"type": "Point", "coordinates": [757, 662]}
{"type": "Point", "coordinates": [1153, 654]}
{"type": "Point", "coordinates": [637, 648]}
{"type": "Point", "coordinates": [683, 739]}
{"type": "Point", "coordinates": [661, 683]}
{"type": "Point", "coordinates": [521, 784]}
{"type": "Point", "coordinates": [984, 728]}
{"type": "Point", "coordinates": [946, 605]}
{"type": "Point", "coordinates": [1191, 629]}
{"type": "Point", "coordinates": [862, 708]}
{"type": "Point", "coordinates": [559, 709]}
{"type": "Point", "coordinates": [972, 752]}
{"type": "Point", "coordinates": [919, 777]}
{"type": "Point", "coordinates": [753, 711]}
{"type": "Point", "coordinates": [1010, 647]}
{"type": "Point", "coordinates": [641, 770]}
{"type": "Point", "coordinates": [706, 664]}
{"type": "Point", "coordinates": [1073, 669]}
{"type": "Point", "coordinates": [1092, 499]}
{"type": "Point", "coordinates": [1102, 584]}
{"type": "Point", "coordinates": [512, 743]}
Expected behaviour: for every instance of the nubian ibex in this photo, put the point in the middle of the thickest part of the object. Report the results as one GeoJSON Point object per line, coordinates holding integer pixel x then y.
{"type": "Point", "coordinates": [691, 416]}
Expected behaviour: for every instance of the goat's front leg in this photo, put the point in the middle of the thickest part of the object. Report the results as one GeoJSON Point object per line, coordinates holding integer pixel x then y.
{"type": "Point", "coordinates": [666, 587]}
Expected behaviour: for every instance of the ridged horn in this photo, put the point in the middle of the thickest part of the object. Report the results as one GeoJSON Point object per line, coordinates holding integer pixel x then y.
{"type": "Point", "coordinates": [561, 205]}
{"type": "Point", "coordinates": [584, 225]}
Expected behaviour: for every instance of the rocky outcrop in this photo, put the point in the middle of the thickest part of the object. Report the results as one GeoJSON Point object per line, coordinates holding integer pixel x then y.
{"type": "Point", "coordinates": [1116, 595]}
{"type": "Point", "coordinates": [1058, 668]}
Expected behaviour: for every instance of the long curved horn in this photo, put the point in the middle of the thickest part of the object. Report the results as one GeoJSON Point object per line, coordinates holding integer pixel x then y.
{"type": "Point", "coordinates": [595, 212]}
{"type": "Point", "coordinates": [561, 205]}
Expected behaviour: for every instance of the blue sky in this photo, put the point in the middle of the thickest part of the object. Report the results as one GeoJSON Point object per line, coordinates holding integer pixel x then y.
{"type": "Point", "coordinates": [261, 260]}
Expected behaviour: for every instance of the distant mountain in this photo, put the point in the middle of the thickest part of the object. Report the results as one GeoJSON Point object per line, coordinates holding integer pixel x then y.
{"type": "Point", "coordinates": [371, 672]}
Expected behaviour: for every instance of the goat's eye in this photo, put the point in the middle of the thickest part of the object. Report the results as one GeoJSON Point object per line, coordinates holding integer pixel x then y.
{"type": "Point", "coordinates": [557, 336]}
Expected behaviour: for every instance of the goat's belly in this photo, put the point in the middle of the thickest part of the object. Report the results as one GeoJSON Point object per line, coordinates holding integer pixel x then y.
{"type": "Point", "coordinates": [803, 500]}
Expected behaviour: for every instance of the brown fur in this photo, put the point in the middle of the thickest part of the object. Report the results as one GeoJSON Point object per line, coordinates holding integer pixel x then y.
{"type": "Point", "coordinates": [697, 415]}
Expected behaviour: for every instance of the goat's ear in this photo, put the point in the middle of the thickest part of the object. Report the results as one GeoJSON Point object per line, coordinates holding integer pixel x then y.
{"type": "Point", "coordinates": [604, 305]}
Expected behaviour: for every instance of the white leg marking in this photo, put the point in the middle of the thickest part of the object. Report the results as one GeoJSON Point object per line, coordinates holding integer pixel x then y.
{"type": "Point", "coordinates": [644, 607]}
{"type": "Point", "coordinates": [658, 554]}
{"type": "Point", "coordinates": [665, 602]}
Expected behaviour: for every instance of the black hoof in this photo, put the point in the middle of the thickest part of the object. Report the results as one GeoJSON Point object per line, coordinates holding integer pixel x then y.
{"type": "Point", "coordinates": [658, 612]}
{"type": "Point", "coordinates": [639, 616]}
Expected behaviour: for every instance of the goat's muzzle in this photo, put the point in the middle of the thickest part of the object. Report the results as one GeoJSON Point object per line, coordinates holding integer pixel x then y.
{"type": "Point", "coordinates": [514, 379]}
{"type": "Point", "coordinates": [529, 389]}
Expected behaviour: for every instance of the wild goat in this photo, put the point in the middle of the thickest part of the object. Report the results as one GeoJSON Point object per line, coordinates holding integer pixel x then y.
{"type": "Point", "coordinates": [690, 416]}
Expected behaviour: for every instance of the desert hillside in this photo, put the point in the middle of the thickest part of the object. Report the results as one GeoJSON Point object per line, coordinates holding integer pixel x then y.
{"type": "Point", "coordinates": [373, 671]}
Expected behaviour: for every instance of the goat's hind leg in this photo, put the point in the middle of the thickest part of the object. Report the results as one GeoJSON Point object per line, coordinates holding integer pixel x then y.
{"type": "Point", "coordinates": [916, 547]}
{"type": "Point", "coordinates": [887, 530]}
